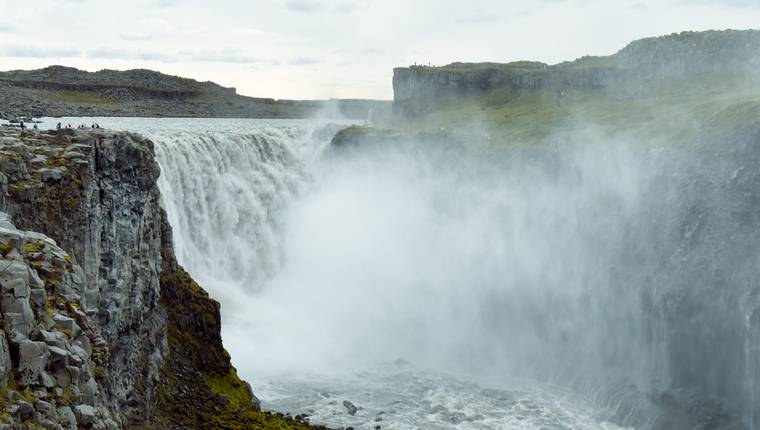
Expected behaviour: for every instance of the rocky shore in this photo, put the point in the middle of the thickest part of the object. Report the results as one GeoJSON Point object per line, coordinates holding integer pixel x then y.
{"type": "Point", "coordinates": [101, 327]}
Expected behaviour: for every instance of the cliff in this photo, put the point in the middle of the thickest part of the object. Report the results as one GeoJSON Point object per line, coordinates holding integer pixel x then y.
{"type": "Point", "coordinates": [66, 91]}
{"type": "Point", "coordinates": [639, 63]}
{"type": "Point", "coordinates": [101, 327]}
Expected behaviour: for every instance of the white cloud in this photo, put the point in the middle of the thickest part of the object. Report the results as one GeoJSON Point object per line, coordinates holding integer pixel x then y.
{"type": "Point", "coordinates": [303, 5]}
{"type": "Point", "coordinates": [228, 55]}
{"type": "Point", "coordinates": [729, 3]}
{"type": "Point", "coordinates": [336, 48]}
{"type": "Point", "coordinates": [303, 61]}
{"type": "Point", "coordinates": [32, 51]}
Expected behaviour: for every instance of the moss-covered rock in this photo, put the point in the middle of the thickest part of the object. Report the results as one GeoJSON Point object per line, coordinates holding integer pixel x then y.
{"type": "Point", "coordinates": [200, 389]}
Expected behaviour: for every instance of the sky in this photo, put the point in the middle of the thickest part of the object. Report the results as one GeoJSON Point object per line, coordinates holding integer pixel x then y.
{"type": "Point", "coordinates": [309, 49]}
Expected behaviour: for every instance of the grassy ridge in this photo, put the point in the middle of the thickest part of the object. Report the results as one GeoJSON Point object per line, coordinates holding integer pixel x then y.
{"type": "Point", "coordinates": [528, 117]}
{"type": "Point", "coordinates": [78, 97]}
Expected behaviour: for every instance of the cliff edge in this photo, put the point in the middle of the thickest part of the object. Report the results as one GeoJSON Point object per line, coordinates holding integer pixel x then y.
{"type": "Point", "coordinates": [641, 62]}
{"type": "Point", "coordinates": [101, 327]}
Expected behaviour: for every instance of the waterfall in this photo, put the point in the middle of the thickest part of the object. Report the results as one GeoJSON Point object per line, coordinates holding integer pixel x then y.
{"type": "Point", "coordinates": [225, 193]}
{"type": "Point", "coordinates": [623, 271]}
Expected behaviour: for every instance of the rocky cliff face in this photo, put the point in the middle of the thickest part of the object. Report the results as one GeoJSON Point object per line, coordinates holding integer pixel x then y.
{"type": "Point", "coordinates": [96, 195]}
{"type": "Point", "coordinates": [102, 328]}
{"type": "Point", "coordinates": [672, 56]}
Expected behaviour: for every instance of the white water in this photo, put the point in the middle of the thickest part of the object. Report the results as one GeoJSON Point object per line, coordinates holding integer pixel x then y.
{"type": "Point", "coordinates": [432, 290]}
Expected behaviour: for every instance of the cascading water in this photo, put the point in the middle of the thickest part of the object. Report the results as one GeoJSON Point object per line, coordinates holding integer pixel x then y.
{"type": "Point", "coordinates": [438, 287]}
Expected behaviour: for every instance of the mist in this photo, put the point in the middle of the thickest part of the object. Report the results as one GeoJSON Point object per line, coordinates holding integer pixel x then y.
{"type": "Point", "coordinates": [620, 269]}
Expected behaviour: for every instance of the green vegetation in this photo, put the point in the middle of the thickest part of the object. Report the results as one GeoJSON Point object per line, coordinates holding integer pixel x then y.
{"type": "Point", "coordinates": [32, 247]}
{"type": "Point", "coordinates": [476, 68]}
{"type": "Point", "coordinates": [5, 248]}
{"type": "Point", "coordinates": [200, 388]}
{"type": "Point", "coordinates": [78, 97]}
{"type": "Point", "coordinates": [351, 134]}
{"type": "Point", "coordinates": [67, 398]}
{"type": "Point", "coordinates": [57, 162]}
{"type": "Point", "coordinates": [99, 374]}
{"type": "Point", "coordinates": [504, 116]}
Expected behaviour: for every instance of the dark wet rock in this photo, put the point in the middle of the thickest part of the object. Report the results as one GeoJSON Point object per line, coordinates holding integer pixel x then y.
{"type": "Point", "coordinates": [350, 407]}
{"type": "Point", "coordinates": [24, 411]}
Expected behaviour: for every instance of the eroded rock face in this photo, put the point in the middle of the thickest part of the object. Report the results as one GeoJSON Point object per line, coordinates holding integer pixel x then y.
{"type": "Point", "coordinates": [102, 328]}
{"type": "Point", "coordinates": [94, 192]}
{"type": "Point", "coordinates": [672, 56]}
{"type": "Point", "coordinates": [53, 367]}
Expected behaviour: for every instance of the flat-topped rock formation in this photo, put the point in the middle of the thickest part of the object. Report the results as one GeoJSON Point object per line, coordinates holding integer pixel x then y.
{"type": "Point", "coordinates": [642, 61]}
{"type": "Point", "coordinates": [66, 91]}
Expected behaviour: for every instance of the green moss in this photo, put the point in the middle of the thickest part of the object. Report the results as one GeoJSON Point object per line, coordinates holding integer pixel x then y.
{"type": "Point", "coordinates": [79, 97]}
{"type": "Point", "coordinates": [50, 306]}
{"type": "Point", "coordinates": [200, 389]}
{"type": "Point", "coordinates": [26, 395]}
{"type": "Point", "coordinates": [67, 398]}
{"type": "Point", "coordinates": [32, 247]}
{"type": "Point", "coordinates": [231, 387]}
{"type": "Point", "coordinates": [99, 374]}
{"type": "Point", "coordinates": [5, 248]}
{"type": "Point", "coordinates": [69, 263]}
{"type": "Point", "coordinates": [57, 162]}
{"type": "Point", "coordinates": [19, 186]}
{"type": "Point", "coordinates": [33, 425]}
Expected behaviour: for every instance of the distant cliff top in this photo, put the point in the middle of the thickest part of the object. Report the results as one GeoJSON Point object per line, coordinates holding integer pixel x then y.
{"type": "Point", "coordinates": [651, 58]}
{"type": "Point", "coordinates": [138, 78]}
{"type": "Point", "coordinates": [66, 91]}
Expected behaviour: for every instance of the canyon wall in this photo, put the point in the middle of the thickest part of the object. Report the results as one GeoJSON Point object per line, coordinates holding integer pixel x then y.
{"type": "Point", "coordinates": [639, 63]}
{"type": "Point", "coordinates": [101, 327]}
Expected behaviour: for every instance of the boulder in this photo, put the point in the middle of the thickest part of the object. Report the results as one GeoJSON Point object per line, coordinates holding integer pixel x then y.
{"type": "Point", "coordinates": [89, 391]}
{"type": "Point", "coordinates": [38, 298]}
{"type": "Point", "coordinates": [85, 414]}
{"type": "Point", "coordinates": [350, 407]}
{"type": "Point", "coordinates": [47, 381]}
{"type": "Point", "coordinates": [45, 408]}
{"type": "Point", "coordinates": [67, 324]}
{"type": "Point", "coordinates": [73, 154]}
{"type": "Point", "coordinates": [67, 375]}
{"type": "Point", "coordinates": [25, 410]}
{"type": "Point", "coordinates": [5, 220]}
{"type": "Point", "coordinates": [58, 355]}
{"type": "Point", "coordinates": [17, 305]}
{"type": "Point", "coordinates": [52, 175]}
{"type": "Point", "coordinates": [67, 418]}
{"type": "Point", "coordinates": [16, 274]}
{"type": "Point", "coordinates": [33, 358]}
{"type": "Point", "coordinates": [52, 338]}
{"type": "Point", "coordinates": [17, 326]}
{"type": "Point", "coordinates": [36, 282]}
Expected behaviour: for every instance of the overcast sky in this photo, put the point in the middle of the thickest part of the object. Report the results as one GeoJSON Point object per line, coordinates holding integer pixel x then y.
{"type": "Point", "coordinates": [335, 48]}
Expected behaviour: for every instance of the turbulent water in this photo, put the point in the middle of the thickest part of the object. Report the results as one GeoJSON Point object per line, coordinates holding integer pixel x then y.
{"type": "Point", "coordinates": [578, 287]}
